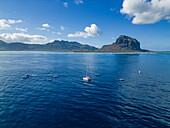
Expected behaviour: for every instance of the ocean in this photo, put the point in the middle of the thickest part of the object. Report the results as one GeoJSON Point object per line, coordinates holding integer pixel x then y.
{"type": "Point", "coordinates": [142, 100]}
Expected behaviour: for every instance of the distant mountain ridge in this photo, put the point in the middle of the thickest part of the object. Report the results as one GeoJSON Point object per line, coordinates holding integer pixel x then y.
{"type": "Point", "coordinates": [123, 44]}
{"type": "Point", "coordinates": [54, 46]}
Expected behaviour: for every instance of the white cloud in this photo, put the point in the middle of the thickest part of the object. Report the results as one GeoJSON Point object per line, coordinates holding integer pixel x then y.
{"type": "Point", "coordinates": [146, 11]}
{"type": "Point", "coordinates": [59, 39]}
{"type": "Point", "coordinates": [65, 4]}
{"type": "Point", "coordinates": [22, 29]}
{"type": "Point", "coordinates": [51, 40]}
{"type": "Point", "coordinates": [46, 25]}
{"type": "Point", "coordinates": [62, 27]}
{"type": "Point", "coordinates": [43, 29]}
{"type": "Point", "coordinates": [78, 34]}
{"type": "Point", "coordinates": [21, 37]}
{"type": "Point", "coordinates": [91, 31]}
{"type": "Point", "coordinates": [58, 33]}
{"type": "Point", "coordinates": [78, 2]}
{"type": "Point", "coordinates": [14, 21]}
{"type": "Point", "coordinates": [6, 24]}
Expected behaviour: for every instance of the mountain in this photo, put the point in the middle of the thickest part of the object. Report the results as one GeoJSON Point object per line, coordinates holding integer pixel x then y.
{"type": "Point", "coordinates": [54, 46]}
{"type": "Point", "coordinates": [67, 46]}
{"type": "Point", "coordinates": [123, 44]}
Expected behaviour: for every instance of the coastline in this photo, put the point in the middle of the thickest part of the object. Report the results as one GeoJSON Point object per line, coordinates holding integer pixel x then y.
{"type": "Point", "coordinates": [121, 52]}
{"type": "Point", "coordinates": [103, 52]}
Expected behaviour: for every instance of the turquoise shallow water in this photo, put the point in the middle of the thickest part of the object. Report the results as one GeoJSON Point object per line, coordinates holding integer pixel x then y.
{"type": "Point", "coordinates": [142, 100]}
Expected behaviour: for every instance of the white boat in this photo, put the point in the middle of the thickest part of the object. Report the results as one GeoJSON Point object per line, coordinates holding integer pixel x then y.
{"type": "Point", "coordinates": [25, 77]}
{"type": "Point", "coordinates": [121, 79]}
{"type": "Point", "coordinates": [87, 78]}
{"type": "Point", "coordinates": [55, 76]}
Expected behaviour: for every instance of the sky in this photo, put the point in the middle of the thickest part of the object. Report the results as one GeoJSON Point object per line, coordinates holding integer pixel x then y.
{"type": "Point", "coordinates": [93, 22]}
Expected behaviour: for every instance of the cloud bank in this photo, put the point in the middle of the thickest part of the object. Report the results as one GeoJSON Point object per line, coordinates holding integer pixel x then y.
{"type": "Point", "coordinates": [6, 24]}
{"type": "Point", "coordinates": [146, 11]}
{"type": "Point", "coordinates": [91, 31]}
{"type": "Point", "coordinates": [21, 37]}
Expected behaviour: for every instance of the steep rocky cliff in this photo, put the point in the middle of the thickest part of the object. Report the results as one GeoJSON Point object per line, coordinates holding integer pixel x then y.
{"type": "Point", "coordinates": [123, 44]}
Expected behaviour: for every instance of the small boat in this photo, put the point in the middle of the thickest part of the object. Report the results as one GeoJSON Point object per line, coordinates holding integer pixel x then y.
{"type": "Point", "coordinates": [97, 74]}
{"type": "Point", "coordinates": [87, 79]}
{"type": "Point", "coordinates": [49, 79]}
{"type": "Point", "coordinates": [29, 75]}
{"type": "Point", "coordinates": [55, 76]}
{"type": "Point", "coordinates": [139, 72]}
{"type": "Point", "coordinates": [25, 77]}
{"type": "Point", "coordinates": [121, 80]}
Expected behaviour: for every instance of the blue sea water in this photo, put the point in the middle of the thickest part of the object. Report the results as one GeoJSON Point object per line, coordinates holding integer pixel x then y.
{"type": "Point", "coordinates": [142, 100]}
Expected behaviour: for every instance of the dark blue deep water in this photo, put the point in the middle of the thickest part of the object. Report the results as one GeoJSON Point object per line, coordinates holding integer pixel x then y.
{"type": "Point", "coordinates": [142, 100]}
